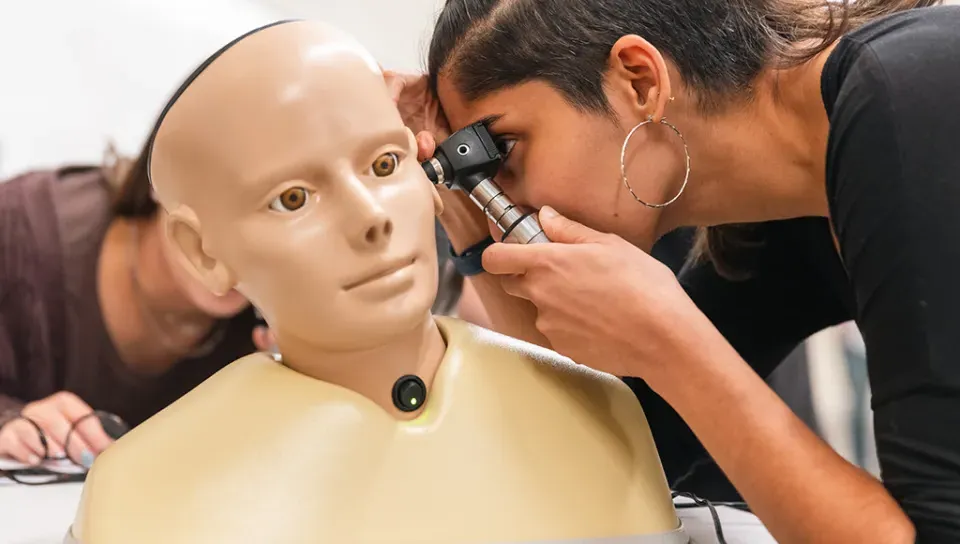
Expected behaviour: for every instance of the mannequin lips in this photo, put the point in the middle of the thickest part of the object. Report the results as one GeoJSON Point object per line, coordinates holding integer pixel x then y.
{"type": "Point", "coordinates": [384, 272]}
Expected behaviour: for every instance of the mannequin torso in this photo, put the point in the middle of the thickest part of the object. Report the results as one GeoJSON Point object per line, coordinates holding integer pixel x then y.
{"type": "Point", "coordinates": [515, 444]}
{"type": "Point", "coordinates": [303, 192]}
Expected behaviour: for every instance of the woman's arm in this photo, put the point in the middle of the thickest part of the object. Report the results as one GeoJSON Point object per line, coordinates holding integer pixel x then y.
{"type": "Point", "coordinates": [894, 187]}
{"type": "Point", "coordinates": [801, 489]}
{"type": "Point", "coordinates": [651, 329]}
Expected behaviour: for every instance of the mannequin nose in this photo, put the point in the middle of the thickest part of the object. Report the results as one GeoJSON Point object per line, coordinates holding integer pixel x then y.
{"type": "Point", "coordinates": [372, 225]}
{"type": "Point", "coordinates": [378, 232]}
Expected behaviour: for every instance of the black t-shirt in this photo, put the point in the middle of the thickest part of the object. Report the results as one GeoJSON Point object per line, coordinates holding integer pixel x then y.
{"type": "Point", "coordinates": [892, 93]}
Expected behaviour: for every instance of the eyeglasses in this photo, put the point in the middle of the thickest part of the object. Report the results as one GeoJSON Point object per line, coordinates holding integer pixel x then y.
{"type": "Point", "coordinates": [63, 468]}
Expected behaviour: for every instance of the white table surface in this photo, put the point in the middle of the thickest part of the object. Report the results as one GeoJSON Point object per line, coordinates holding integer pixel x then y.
{"type": "Point", "coordinates": [42, 514]}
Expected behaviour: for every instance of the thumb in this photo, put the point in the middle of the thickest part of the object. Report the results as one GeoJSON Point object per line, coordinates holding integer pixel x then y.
{"type": "Point", "coordinates": [426, 145]}
{"type": "Point", "coordinates": [565, 231]}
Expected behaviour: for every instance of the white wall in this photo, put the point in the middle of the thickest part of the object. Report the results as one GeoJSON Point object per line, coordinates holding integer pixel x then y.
{"type": "Point", "coordinates": [396, 31]}
{"type": "Point", "coordinates": [77, 74]}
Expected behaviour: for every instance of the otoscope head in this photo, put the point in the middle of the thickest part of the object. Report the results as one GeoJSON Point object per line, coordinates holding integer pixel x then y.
{"type": "Point", "coordinates": [469, 156]}
{"type": "Point", "coordinates": [468, 160]}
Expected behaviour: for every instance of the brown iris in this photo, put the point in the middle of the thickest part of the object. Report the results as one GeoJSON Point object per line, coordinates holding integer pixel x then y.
{"type": "Point", "coordinates": [293, 199]}
{"type": "Point", "coordinates": [385, 165]}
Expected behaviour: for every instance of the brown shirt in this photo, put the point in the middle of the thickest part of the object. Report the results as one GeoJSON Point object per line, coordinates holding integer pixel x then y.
{"type": "Point", "coordinates": [52, 333]}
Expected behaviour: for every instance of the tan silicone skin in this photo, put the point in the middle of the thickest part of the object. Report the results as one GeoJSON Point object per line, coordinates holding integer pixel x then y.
{"type": "Point", "coordinates": [513, 444]}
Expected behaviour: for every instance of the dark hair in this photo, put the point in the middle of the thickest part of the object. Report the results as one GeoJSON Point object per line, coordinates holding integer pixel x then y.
{"type": "Point", "coordinates": [719, 47]}
{"type": "Point", "coordinates": [134, 194]}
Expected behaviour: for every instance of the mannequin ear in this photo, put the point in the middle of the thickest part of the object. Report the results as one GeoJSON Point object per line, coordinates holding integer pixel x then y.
{"type": "Point", "coordinates": [182, 229]}
{"type": "Point", "coordinates": [437, 201]}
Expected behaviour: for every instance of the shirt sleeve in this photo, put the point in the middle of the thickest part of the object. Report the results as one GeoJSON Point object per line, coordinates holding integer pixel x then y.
{"type": "Point", "coordinates": [25, 369]}
{"type": "Point", "coordinates": [10, 405]}
{"type": "Point", "coordinates": [893, 182]}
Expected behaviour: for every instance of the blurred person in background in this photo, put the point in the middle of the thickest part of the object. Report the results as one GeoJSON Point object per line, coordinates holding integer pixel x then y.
{"type": "Point", "coordinates": [94, 315]}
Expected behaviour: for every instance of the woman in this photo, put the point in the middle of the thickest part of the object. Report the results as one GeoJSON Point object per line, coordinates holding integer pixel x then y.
{"type": "Point", "coordinates": [828, 126]}
{"type": "Point", "coordinates": [95, 315]}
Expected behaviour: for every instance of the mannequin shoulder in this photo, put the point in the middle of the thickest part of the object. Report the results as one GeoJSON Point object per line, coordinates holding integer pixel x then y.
{"type": "Point", "coordinates": [253, 397]}
{"type": "Point", "coordinates": [514, 367]}
{"type": "Point", "coordinates": [194, 465]}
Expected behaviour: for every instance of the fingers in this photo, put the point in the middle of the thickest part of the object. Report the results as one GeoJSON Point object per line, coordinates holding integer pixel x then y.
{"type": "Point", "coordinates": [53, 425]}
{"type": "Point", "coordinates": [501, 259]}
{"type": "Point", "coordinates": [259, 338]}
{"type": "Point", "coordinates": [79, 450]}
{"type": "Point", "coordinates": [11, 446]}
{"type": "Point", "coordinates": [559, 229]}
{"type": "Point", "coordinates": [88, 437]}
{"type": "Point", "coordinates": [20, 440]}
{"type": "Point", "coordinates": [426, 146]}
{"type": "Point", "coordinates": [263, 339]}
{"type": "Point", "coordinates": [28, 436]}
{"type": "Point", "coordinates": [515, 286]}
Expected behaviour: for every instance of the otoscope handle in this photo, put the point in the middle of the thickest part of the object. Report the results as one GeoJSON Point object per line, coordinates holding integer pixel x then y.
{"type": "Point", "coordinates": [467, 161]}
{"type": "Point", "coordinates": [526, 231]}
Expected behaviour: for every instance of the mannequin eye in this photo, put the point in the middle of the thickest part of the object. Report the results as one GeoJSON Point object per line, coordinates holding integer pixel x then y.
{"type": "Point", "coordinates": [290, 200]}
{"type": "Point", "coordinates": [385, 165]}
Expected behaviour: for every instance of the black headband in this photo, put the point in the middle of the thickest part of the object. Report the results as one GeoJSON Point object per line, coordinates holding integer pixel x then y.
{"type": "Point", "coordinates": [196, 73]}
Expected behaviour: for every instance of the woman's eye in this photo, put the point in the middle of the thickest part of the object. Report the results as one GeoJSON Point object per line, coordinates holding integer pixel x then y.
{"type": "Point", "coordinates": [385, 165]}
{"type": "Point", "coordinates": [505, 145]}
{"type": "Point", "coordinates": [290, 200]}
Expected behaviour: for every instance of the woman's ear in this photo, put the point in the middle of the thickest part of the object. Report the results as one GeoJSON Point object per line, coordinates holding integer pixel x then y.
{"type": "Point", "coordinates": [182, 230]}
{"type": "Point", "coordinates": [638, 74]}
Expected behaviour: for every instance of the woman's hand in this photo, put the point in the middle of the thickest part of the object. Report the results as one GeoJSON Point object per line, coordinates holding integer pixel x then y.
{"type": "Point", "coordinates": [263, 338]}
{"type": "Point", "coordinates": [419, 109]}
{"type": "Point", "coordinates": [600, 300]}
{"type": "Point", "coordinates": [55, 416]}
{"type": "Point", "coordinates": [464, 223]}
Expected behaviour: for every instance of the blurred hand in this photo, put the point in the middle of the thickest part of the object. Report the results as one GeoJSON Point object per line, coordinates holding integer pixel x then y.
{"type": "Point", "coordinates": [263, 339]}
{"type": "Point", "coordinates": [418, 107]}
{"type": "Point", "coordinates": [464, 223]}
{"type": "Point", "coordinates": [55, 416]}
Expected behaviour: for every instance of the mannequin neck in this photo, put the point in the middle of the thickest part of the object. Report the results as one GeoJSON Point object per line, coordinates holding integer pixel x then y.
{"type": "Point", "coordinates": [371, 372]}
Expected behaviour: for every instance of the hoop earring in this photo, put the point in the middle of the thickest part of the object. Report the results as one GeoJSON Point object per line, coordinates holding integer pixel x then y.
{"type": "Point", "coordinates": [623, 163]}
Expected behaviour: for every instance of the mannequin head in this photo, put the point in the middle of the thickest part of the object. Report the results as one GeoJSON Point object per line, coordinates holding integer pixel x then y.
{"type": "Point", "coordinates": [287, 173]}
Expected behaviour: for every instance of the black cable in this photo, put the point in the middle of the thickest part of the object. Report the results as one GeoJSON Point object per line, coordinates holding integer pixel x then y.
{"type": "Point", "coordinates": [699, 503]}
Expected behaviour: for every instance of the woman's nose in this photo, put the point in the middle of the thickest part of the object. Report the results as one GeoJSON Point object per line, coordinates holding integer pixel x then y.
{"type": "Point", "coordinates": [370, 226]}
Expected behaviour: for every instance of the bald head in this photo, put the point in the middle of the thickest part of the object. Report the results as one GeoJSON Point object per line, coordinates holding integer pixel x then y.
{"type": "Point", "coordinates": [287, 173]}
{"type": "Point", "coordinates": [248, 101]}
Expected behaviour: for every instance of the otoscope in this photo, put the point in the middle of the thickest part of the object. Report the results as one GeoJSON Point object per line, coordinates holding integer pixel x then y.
{"type": "Point", "coordinates": [468, 160]}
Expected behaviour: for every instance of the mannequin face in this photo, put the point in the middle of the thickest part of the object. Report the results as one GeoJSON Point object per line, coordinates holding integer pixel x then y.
{"type": "Point", "coordinates": [302, 190]}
